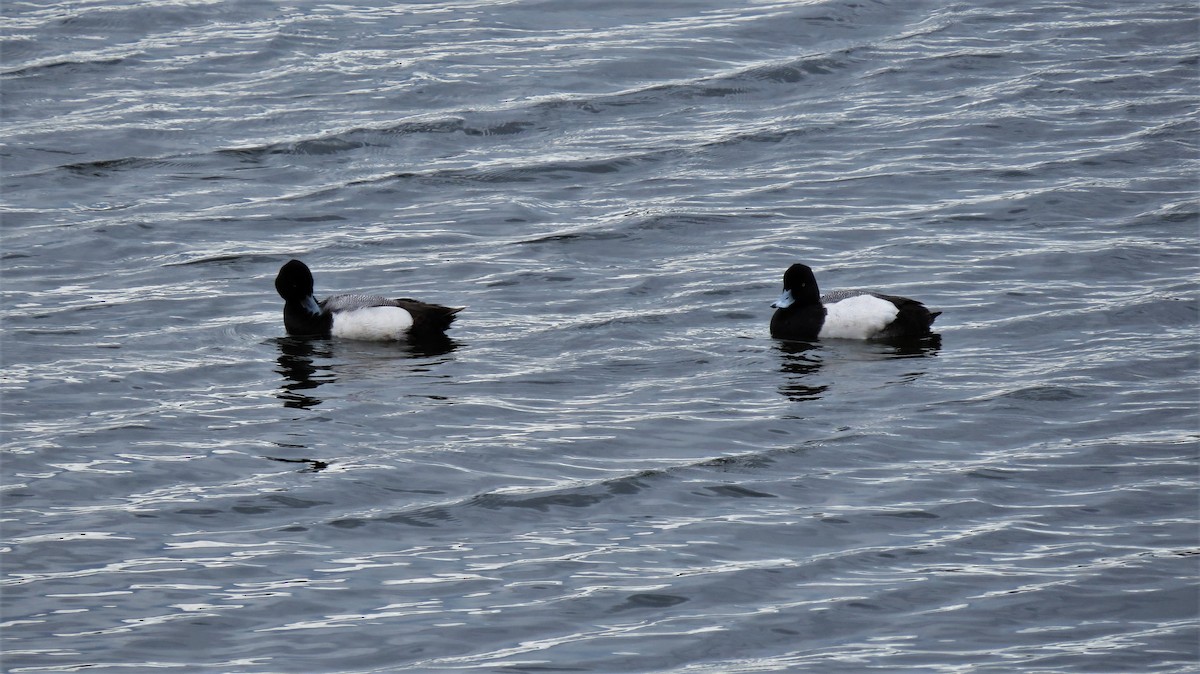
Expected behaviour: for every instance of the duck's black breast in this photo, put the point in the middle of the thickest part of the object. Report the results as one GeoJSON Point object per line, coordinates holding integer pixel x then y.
{"type": "Point", "coordinates": [798, 322]}
{"type": "Point", "coordinates": [299, 320]}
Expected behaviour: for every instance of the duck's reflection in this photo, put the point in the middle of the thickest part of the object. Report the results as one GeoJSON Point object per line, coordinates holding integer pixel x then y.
{"type": "Point", "coordinates": [914, 348]}
{"type": "Point", "coordinates": [801, 361]}
{"type": "Point", "coordinates": [297, 364]}
{"type": "Point", "coordinates": [430, 347]}
{"type": "Point", "coordinates": [307, 364]}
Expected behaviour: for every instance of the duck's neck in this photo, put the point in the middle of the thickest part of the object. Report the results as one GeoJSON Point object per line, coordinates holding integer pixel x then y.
{"type": "Point", "coordinates": [309, 305]}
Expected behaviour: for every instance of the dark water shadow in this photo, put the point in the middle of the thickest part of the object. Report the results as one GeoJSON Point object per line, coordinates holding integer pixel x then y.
{"type": "Point", "coordinates": [306, 364]}
{"type": "Point", "coordinates": [311, 465]}
{"type": "Point", "coordinates": [648, 601]}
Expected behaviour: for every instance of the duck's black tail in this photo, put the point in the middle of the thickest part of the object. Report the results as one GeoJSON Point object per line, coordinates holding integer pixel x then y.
{"type": "Point", "coordinates": [912, 318]}
{"type": "Point", "coordinates": [429, 320]}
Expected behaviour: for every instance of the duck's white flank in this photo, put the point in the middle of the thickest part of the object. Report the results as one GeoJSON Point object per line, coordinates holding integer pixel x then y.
{"type": "Point", "coordinates": [371, 323]}
{"type": "Point", "coordinates": [858, 317]}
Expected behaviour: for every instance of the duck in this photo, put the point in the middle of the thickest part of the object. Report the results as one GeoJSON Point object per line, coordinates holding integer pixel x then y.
{"type": "Point", "coordinates": [801, 313]}
{"type": "Point", "coordinates": [355, 316]}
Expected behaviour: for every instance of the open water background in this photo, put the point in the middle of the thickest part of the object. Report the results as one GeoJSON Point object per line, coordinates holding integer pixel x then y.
{"type": "Point", "coordinates": [612, 467]}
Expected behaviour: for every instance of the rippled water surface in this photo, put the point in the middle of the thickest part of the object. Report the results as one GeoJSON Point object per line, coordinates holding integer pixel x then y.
{"type": "Point", "coordinates": [611, 467]}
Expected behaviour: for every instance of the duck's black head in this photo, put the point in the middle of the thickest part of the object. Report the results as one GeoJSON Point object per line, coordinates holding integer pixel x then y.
{"type": "Point", "coordinates": [294, 282]}
{"type": "Point", "coordinates": [799, 287]}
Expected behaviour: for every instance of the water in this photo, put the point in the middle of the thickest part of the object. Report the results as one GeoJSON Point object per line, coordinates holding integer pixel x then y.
{"type": "Point", "coordinates": [612, 467]}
